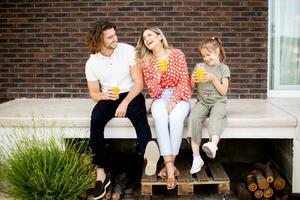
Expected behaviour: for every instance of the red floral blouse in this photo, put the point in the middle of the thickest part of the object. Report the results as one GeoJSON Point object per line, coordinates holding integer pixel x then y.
{"type": "Point", "coordinates": [176, 77]}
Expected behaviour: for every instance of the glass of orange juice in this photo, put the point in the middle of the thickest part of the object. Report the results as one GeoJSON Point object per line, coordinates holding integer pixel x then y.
{"type": "Point", "coordinates": [162, 62]}
{"type": "Point", "coordinates": [116, 90]}
{"type": "Point", "coordinates": [200, 70]}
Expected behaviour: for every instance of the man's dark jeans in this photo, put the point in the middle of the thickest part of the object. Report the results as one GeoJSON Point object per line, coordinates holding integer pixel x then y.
{"type": "Point", "coordinates": [105, 111]}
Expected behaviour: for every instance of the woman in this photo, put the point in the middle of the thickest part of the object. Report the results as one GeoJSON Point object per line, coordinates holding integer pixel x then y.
{"type": "Point", "coordinates": [166, 76]}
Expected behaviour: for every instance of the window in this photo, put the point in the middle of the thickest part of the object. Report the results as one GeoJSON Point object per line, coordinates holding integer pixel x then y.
{"type": "Point", "coordinates": [284, 47]}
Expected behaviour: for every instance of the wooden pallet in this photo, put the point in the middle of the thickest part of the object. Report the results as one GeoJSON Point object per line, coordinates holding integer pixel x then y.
{"type": "Point", "coordinates": [212, 173]}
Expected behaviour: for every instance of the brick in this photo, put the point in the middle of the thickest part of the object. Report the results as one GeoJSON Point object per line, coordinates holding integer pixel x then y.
{"type": "Point", "coordinates": [43, 51]}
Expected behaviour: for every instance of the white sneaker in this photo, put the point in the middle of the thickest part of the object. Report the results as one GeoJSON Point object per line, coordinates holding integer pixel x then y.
{"type": "Point", "coordinates": [210, 149]}
{"type": "Point", "coordinates": [197, 164]}
{"type": "Point", "coordinates": [152, 156]}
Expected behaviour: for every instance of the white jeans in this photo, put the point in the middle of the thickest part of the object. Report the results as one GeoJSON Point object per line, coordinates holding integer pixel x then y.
{"type": "Point", "coordinates": [169, 127]}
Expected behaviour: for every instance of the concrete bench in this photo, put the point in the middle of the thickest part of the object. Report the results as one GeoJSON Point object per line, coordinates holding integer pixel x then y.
{"type": "Point", "coordinates": [247, 119]}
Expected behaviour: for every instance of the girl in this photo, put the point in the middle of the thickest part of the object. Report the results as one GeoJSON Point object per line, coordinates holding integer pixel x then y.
{"type": "Point", "coordinates": [166, 76]}
{"type": "Point", "coordinates": [212, 87]}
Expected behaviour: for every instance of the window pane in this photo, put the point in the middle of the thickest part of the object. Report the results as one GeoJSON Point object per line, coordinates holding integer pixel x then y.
{"type": "Point", "coordinates": [285, 44]}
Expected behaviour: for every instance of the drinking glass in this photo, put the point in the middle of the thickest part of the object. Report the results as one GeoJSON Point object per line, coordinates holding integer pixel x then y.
{"type": "Point", "coordinates": [200, 70]}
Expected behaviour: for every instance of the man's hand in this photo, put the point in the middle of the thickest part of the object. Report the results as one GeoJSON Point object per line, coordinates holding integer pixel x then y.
{"type": "Point", "coordinates": [121, 110]}
{"type": "Point", "coordinates": [110, 95]}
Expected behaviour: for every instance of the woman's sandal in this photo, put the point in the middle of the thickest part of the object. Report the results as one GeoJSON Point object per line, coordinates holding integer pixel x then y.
{"type": "Point", "coordinates": [163, 173]}
{"type": "Point", "coordinates": [171, 181]}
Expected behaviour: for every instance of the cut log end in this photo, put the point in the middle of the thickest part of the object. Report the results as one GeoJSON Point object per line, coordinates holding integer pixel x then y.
{"type": "Point", "coordinates": [279, 184]}
{"type": "Point", "coordinates": [268, 193]}
{"type": "Point", "coordinates": [258, 194]}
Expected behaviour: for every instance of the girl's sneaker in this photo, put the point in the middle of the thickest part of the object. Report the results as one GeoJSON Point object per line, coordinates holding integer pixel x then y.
{"type": "Point", "coordinates": [210, 149]}
{"type": "Point", "coordinates": [197, 164]}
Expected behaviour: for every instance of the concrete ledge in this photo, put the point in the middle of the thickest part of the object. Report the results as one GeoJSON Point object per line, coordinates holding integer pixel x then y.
{"type": "Point", "coordinates": [247, 118]}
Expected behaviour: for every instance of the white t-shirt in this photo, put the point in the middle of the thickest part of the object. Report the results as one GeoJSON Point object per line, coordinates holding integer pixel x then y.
{"type": "Point", "coordinates": [114, 70]}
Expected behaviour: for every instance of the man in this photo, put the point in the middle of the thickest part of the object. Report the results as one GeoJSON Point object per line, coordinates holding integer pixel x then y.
{"type": "Point", "coordinates": [112, 65]}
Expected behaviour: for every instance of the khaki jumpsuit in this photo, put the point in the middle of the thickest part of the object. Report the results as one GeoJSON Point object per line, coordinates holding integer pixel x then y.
{"type": "Point", "coordinates": [210, 104]}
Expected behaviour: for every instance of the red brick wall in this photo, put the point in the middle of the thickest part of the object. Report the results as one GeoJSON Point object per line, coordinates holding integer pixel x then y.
{"type": "Point", "coordinates": [43, 53]}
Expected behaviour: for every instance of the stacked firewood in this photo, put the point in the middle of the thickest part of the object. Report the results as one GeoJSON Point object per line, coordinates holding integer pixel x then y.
{"type": "Point", "coordinates": [263, 182]}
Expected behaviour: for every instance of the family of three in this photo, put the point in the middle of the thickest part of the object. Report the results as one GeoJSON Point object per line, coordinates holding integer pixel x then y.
{"type": "Point", "coordinates": [116, 73]}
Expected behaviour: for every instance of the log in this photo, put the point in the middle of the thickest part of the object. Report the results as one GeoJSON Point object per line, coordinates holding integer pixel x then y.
{"type": "Point", "coordinates": [251, 182]}
{"type": "Point", "coordinates": [279, 182]}
{"type": "Point", "coordinates": [268, 172]}
{"type": "Point", "coordinates": [275, 197]}
{"type": "Point", "coordinates": [260, 179]}
{"type": "Point", "coordinates": [243, 192]}
{"type": "Point", "coordinates": [268, 193]}
{"type": "Point", "coordinates": [285, 197]}
{"type": "Point", "coordinates": [285, 193]}
{"type": "Point", "coordinates": [278, 197]}
{"type": "Point", "coordinates": [258, 194]}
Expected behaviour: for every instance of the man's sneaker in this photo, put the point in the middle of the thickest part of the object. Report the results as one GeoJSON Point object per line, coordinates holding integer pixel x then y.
{"type": "Point", "coordinates": [119, 186]}
{"type": "Point", "coordinates": [152, 156]}
{"type": "Point", "coordinates": [210, 149]}
{"type": "Point", "coordinates": [100, 188]}
{"type": "Point", "coordinates": [108, 192]}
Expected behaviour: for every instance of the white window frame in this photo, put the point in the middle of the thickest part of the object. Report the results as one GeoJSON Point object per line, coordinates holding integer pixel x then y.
{"type": "Point", "coordinates": [281, 92]}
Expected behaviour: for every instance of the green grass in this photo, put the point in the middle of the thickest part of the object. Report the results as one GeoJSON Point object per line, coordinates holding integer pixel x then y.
{"type": "Point", "coordinates": [40, 170]}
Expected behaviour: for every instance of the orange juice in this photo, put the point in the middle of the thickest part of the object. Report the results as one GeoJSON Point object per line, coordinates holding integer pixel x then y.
{"type": "Point", "coordinates": [199, 73]}
{"type": "Point", "coordinates": [116, 90]}
{"type": "Point", "coordinates": [163, 64]}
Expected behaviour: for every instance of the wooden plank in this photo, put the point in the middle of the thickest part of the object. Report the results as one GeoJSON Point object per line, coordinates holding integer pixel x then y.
{"type": "Point", "coordinates": [202, 175]}
{"type": "Point", "coordinates": [146, 189]}
{"type": "Point", "coordinates": [217, 171]}
{"type": "Point", "coordinates": [186, 182]}
{"type": "Point", "coordinates": [184, 169]}
{"type": "Point", "coordinates": [224, 188]}
{"type": "Point", "coordinates": [184, 186]}
{"type": "Point", "coordinates": [185, 189]}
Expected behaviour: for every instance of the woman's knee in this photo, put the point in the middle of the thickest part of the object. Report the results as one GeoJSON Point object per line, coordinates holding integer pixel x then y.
{"type": "Point", "coordinates": [176, 120]}
{"type": "Point", "coordinates": [159, 111]}
{"type": "Point", "coordinates": [178, 117]}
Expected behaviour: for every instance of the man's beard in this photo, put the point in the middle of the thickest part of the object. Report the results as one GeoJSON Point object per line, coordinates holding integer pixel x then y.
{"type": "Point", "coordinates": [112, 45]}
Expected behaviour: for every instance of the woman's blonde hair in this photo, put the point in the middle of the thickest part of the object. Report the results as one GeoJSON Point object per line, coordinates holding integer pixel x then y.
{"type": "Point", "coordinates": [211, 45]}
{"type": "Point", "coordinates": [143, 54]}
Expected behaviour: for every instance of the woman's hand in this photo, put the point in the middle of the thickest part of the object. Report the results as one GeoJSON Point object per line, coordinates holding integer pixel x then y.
{"type": "Point", "coordinates": [171, 105]}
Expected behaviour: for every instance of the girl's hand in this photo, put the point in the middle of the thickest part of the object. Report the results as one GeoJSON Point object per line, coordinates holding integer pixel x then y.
{"type": "Point", "coordinates": [207, 77]}
{"type": "Point", "coordinates": [171, 105]}
{"type": "Point", "coordinates": [194, 77]}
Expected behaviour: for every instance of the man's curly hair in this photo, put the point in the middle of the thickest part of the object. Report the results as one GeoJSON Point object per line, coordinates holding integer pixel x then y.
{"type": "Point", "coordinates": [94, 37]}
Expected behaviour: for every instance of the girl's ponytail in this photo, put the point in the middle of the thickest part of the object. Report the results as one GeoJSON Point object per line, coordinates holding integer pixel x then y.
{"type": "Point", "coordinates": [222, 50]}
